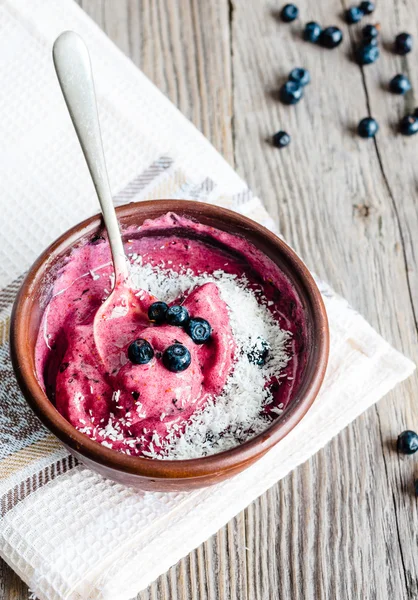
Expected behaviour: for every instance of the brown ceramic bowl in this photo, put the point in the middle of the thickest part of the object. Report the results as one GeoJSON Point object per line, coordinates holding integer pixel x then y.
{"type": "Point", "coordinates": [156, 474]}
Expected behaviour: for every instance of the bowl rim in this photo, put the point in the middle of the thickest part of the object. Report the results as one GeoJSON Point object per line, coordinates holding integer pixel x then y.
{"type": "Point", "coordinates": [153, 468]}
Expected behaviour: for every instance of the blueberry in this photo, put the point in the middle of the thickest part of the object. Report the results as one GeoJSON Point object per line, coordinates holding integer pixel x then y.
{"type": "Point", "coordinates": [416, 487]}
{"type": "Point", "coordinates": [199, 330]}
{"type": "Point", "coordinates": [353, 15]}
{"type": "Point", "coordinates": [367, 54]}
{"type": "Point", "coordinates": [416, 112]}
{"type": "Point", "coordinates": [367, 7]}
{"type": "Point", "coordinates": [289, 13]}
{"type": "Point", "coordinates": [177, 315]}
{"type": "Point", "coordinates": [291, 92]}
{"type": "Point", "coordinates": [281, 139]}
{"type": "Point", "coordinates": [331, 37]}
{"type": "Point", "coordinates": [259, 352]}
{"type": "Point", "coordinates": [300, 76]}
{"type": "Point", "coordinates": [368, 127]}
{"type": "Point", "coordinates": [403, 43]}
{"type": "Point", "coordinates": [408, 442]}
{"type": "Point", "coordinates": [409, 125]}
{"type": "Point", "coordinates": [370, 32]}
{"type": "Point", "coordinates": [157, 312]}
{"type": "Point", "coordinates": [312, 32]}
{"type": "Point", "coordinates": [400, 84]}
{"type": "Point", "coordinates": [176, 358]}
{"type": "Point", "coordinates": [373, 41]}
{"type": "Point", "coordinates": [140, 352]}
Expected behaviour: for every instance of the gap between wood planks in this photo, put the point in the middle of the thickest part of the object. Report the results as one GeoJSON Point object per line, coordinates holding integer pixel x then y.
{"type": "Point", "coordinates": [405, 260]}
{"type": "Point", "coordinates": [384, 176]}
{"type": "Point", "coordinates": [231, 9]}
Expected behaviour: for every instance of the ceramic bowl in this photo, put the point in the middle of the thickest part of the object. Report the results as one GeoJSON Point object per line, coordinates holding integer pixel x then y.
{"type": "Point", "coordinates": [145, 473]}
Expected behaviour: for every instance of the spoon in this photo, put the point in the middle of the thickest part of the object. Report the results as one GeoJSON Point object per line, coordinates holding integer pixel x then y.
{"type": "Point", "coordinates": [114, 319]}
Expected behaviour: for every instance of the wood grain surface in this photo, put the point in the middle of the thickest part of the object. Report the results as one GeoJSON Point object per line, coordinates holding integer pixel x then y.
{"type": "Point", "coordinates": [343, 526]}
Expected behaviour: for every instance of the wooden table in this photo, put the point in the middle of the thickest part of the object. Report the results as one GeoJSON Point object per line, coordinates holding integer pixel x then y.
{"type": "Point", "coordinates": [345, 524]}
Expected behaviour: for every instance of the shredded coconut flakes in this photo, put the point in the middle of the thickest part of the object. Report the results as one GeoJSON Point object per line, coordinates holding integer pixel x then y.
{"type": "Point", "coordinates": [237, 414]}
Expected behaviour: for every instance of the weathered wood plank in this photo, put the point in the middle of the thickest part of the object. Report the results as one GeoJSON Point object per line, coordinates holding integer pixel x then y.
{"type": "Point", "coordinates": [397, 159]}
{"type": "Point", "coordinates": [353, 533]}
{"type": "Point", "coordinates": [184, 48]}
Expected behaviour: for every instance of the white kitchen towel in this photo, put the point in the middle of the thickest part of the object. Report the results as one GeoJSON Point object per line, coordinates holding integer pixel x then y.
{"type": "Point", "coordinates": [69, 533]}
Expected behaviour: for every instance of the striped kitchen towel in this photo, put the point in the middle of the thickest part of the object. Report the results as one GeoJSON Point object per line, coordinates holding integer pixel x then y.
{"type": "Point", "coordinates": [69, 533]}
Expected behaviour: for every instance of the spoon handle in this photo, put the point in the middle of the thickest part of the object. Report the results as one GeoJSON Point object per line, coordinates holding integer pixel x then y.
{"type": "Point", "coordinates": [73, 68]}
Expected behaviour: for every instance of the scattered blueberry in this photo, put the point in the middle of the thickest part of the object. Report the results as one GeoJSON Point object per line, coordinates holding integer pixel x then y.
{"type": "Point", "coordinates": [281, 139]}
{"type": "Point", "coordinates": [367, 7]}
{"type": "Point", "coordinates": [157, 312]}
{"type": "Point", "coordinates": [199, 330]}
{"type": "Point", "coordinates": [368, 127]}
{"type": "Point", "coordinates": [416, 112]}
{"type": "Point", "coordinates": [312, 32]}
{"type": "Point", "coordinates": [140, 352]}
{"type": "Point", "coordinates": [367, 54]}
{"type": "Point", "coordinates": [416, 487]}
{"type": "Point", "coordinates": [259, 352]}
{"type": "Point", "coordinates": [300, 76]}
{"type": "Point", "coordinates": [370, 32]}
{"type": "Point", "coordinates": [177, 315]}
{"type": "Point", "coordinates": [409, 125]}
{"type": "Point", "coordinates": [403, 43]}
{"type": "Point", "coordinates": [176, 358]}
{"type": "Point", "coordinates": [289, 13]}
{"type": "Point", "coordinates": [400, 84]}
{"type": "Point", "coordinates": [291, 92]}
{"type": "Point", "coordinates": [331, 37]}
{"type": "Point", "coordinates": [354, 15]}
{"type": "Point", "coordinates": [374, 41]}
{"type": "Point", "coordinates": [408, 442]}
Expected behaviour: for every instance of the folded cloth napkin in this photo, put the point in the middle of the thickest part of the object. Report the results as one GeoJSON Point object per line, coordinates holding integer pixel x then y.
{"type": "Point", "coordinates": [69, 533]}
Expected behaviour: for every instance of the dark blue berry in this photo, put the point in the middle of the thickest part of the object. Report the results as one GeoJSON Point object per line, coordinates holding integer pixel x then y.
{"type": "Point", "coordinates": [408, 442]}
{"type": "Point", "coordinates": [289, 13]}
{"type": "Point", "coordinates": [177, 315]}
{"type": "Point", "coordinates": [300, 76]}
{"type": "Point", "coordinates": [367, 54]}
{"type": "Point", "coordinates": [331, 37]}
{"type": "Point", "coordinates": [374, 41]}
{"type": "Point", "coordinates": [416, 112]}
{"type": "Point", "coordinates": [409, 125]}
{"type": "Point", "coordinates": [367, 7]}
{"type": "Point", "coordinates": [416, 487]}
{"type": "Point", "coordinates": [354, 15]}
{"type": "Point", "coordinates": [400, 84]}
{"type": "Point", "coordinates": [199, 330]}
{"type": "Point", "coordinates": [312, 32]}
{"type": "Point", "coordinates": [403, 43]}
{"type": "Point", "coordinates": [370, 32]}
{"type": "Point", "coordinates": [281, 139]}
{"type": "Point", "coordinates": [157, 312]}
{"type": "Point", "coordinates": [140, 352]}
{"type": "Point", "coordinates": [176, 358]}
{"type": "Point", "coordinates": [291, 92]}
{"type": "Point", "coordinates": [368, 127]}
{"type": "Point", "coordinates": [259, 352]}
